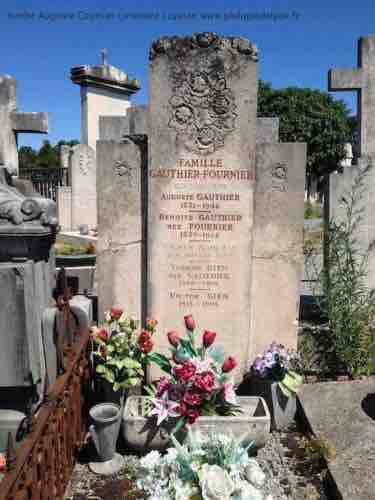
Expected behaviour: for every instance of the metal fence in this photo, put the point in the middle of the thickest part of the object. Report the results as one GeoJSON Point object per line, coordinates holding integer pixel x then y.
{"type": "Point", "coordinates": [44, 462]}
{"type": "Point", "coordinates": [46, 180]}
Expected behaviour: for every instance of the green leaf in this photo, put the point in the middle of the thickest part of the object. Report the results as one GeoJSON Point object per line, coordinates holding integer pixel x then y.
{"type": "Point", "coordinates": [100, 369]}
{"type": "Point", "coordinates": [188, 347]}
{"type": "Point", "coordinates": [131, 363]}
{"type": "Point", "coordinates": [160, 360]}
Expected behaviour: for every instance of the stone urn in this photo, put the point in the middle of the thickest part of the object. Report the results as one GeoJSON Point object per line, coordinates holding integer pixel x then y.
{"type": "Point", "coordinates": [282, 408]}
{"type": "Point", "coordinates": [106, 418]}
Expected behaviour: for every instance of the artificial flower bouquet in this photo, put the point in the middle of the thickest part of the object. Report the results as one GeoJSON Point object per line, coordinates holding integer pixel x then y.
{"type": "Point", "coordinates": [211, 467]}
{"type": "Point", "coordinates": [121, 349]}
{"type": "Point", "coordinates": [197, 381]}
{"type": "Point", "coordinates": [278, 364]}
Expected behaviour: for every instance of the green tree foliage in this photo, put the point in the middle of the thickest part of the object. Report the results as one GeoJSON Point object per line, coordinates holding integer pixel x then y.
{"type": "Point", "coordinates": [311, 116]}
{"type": "Point", "coordinates": [46, 156]}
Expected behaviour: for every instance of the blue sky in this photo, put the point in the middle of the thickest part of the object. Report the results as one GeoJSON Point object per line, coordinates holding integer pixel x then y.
{"type": "Point", "coordinates": [297, 50]}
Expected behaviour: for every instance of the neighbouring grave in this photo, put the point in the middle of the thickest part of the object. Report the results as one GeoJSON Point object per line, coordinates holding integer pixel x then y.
{"type": "Point", "coordinates": [361, 80]}
{"type": "Point", "coordinates": [343, 413]}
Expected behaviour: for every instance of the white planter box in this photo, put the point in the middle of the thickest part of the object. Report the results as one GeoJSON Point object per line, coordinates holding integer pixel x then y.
{"type": "Point", "coordinates": [254, 422]}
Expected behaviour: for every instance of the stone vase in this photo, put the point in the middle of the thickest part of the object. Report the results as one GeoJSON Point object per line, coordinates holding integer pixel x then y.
{"type": "Point", "coordinates": [106, 418]}
{"type": "Point", "coordinates": [282, 408]}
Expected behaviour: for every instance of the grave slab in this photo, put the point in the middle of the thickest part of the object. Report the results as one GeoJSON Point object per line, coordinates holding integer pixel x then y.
{"type": "Point", "coordinates": [344, 414]}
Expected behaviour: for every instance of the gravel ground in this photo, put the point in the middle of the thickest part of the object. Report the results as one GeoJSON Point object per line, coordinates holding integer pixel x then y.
{"type": "Point", "coordinates": [293, 475]}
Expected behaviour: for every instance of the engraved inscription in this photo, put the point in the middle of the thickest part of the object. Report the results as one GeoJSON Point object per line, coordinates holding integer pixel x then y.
{"type": "Point", "coordinates": [84, 164]}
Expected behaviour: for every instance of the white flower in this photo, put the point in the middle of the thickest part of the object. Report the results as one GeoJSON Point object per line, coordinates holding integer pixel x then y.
{"type": "Point", "coordinates": [249, 492]}
{"type": "Point", "coordinates": [254, 473]}
{"type": "Point", "coordinates": [216, 483]}
{"type": "Point", "coordinates": [202, 365]}
{"type": "Point", "coordinates": [171, 455]}
{"type": "Point", "coordinates": [184, 490]}
{"type": "Point", "coordinates": [151, 460]}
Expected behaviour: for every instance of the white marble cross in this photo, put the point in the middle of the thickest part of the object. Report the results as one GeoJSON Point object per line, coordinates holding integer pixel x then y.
{"type": "Point", "coordinates": [361, 79]}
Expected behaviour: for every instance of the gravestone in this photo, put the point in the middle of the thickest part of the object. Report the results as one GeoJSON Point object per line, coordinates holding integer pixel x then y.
{"type": "Point", "coordinates": [218, 200]}
{"type": "Point", "coordinates": [361, 80]}
{"type": "Point", "coordinates": [121, 225]}
{"type": "Point", "coordinates": [213, 168]}
{"type": "Point", "coordinates": [82, 174]}
{"type": "Point", "coordinates": [203, 103]}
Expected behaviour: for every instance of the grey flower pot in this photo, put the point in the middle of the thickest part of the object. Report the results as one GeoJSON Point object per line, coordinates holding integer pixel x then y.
{"type": "Point", "coordinates": [106, 419]}
{"type": "Point", "coordinates": [282, 408]}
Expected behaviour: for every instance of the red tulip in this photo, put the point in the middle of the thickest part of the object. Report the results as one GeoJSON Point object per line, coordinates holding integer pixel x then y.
{"type": "Point", "coordinates": [116, 312]}
{"type": "Point", "coordinates": [174, 338]}
{"type": "Point", "coordinates": [208, 338]}
{"type": "Point", "coordinates": [189, 322]}
{"type": "Point", "coordinates": [147, 346]}
{"type": "Point", "coordinates": [144, 337]}
{"type": "Point", "coordinates": [229, 364]}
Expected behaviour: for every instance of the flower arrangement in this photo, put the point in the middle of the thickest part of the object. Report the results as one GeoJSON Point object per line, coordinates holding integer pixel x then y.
{"type": "Point", "coordinates": [121, 349]}
{"type": "Point", "coordinates": [279, 364]}
{"type": "Point", "coordinates": [214, 467]}
{"type": "Point", "coordinates": [198, 380]}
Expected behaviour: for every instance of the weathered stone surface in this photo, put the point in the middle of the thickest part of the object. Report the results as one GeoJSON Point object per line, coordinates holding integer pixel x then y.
{"type": "Point", "coordinates": [121, 225]}
{"type": "Point", "coordinates": [105, 90]}
{"type": "Point", "coordinates": [203, 92]}
{"type": "Point", "coordinates": [83, 184]}
{"type": "Point", "coordinates": [344, 414]}
{"type": "Point", "coordinates": [114, 128]}
{"type": "Point", "coordinates": [64, 207]}
{"type": "Point", "coordinates": [361, 79]}
{"type": "Point", "coordinates": [267, 130]}
{"type": "Point", "coordinates": [28, 293]}
{"type": "Point", "coordinates": [13, 121]}
{"type": "Point", "coordinates": [277, 261]}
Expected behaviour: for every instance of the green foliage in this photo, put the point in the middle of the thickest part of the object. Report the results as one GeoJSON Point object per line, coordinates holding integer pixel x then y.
{"type": "Point", "coordinates": [311, 116]}
{"type": "Point", "coordinates": [47, 155]}
{"type": "Point", "coordinates": [313, 210]}
{"type": "Point", "coordinates": [346, 300]}
{"type": "Point", "coordinates": [71, 249]}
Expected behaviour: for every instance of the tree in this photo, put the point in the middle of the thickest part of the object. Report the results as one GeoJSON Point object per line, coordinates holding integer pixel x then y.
{"type": "Point", "coordinates": [311, 116]}
{"type": "Point", "coordinates": [47, 155]}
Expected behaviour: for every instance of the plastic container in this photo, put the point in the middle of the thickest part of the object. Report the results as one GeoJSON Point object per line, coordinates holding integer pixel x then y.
{"type": "Point", "coordinates": [9, 422]}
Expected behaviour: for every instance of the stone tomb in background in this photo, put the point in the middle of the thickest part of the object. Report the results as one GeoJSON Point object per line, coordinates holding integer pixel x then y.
{"type": "Point", "coordinates": [224, 201]}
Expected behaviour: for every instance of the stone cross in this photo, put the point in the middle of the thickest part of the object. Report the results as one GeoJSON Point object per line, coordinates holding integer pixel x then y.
{"type": "Point", "coordinates": [104, 54]}
{"type": "Point", "coordinates": [13, 122]}
{"type": "Point", "coordinates": [361, 79]}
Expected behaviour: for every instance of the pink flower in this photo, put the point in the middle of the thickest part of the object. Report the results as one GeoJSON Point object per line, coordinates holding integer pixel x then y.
{"type": "Point", "coordinates": [205, 381]}
{"type": "Point", "coordinates": [229, 364]}
{"type": "Point", "coordinates": [162, 386]}
{"type": "Point", "coordinates": [208, 338]}
{"type": "Point", "coordinates": [185, 371]}
{"type": "Point", "coordinates": [164, 408]}
{"type": "Point", "coordinates": [228, 393]}
{"type": "Point", "coordinates": [189, 322]}
{"type": "Point", "coordinates": [102, 334]}
{"type": "Point", "coordinates": [173, 338]}
{"type": "Point", "coordinates": [192, 398]}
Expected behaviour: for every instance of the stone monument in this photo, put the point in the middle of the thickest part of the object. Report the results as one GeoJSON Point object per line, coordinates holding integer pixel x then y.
{"type": "Point", "coordinates": [361, 80]}
{"type": "Point", "coordinates": [27, 231]}
{"type": "Point", "coordinates": [225, 218]}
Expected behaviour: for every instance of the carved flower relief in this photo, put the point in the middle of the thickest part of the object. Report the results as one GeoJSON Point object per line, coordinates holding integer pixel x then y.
{"type": "Point", "coordinates": [203, 108]}
{"type": "Point", "coordinates": [279, 174]}
{"type": "Point", "coordinates": [83, 164]}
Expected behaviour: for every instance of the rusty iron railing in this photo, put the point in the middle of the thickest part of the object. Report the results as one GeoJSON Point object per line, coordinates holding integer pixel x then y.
{"type": "Point", "coordinates": [43, 464]}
